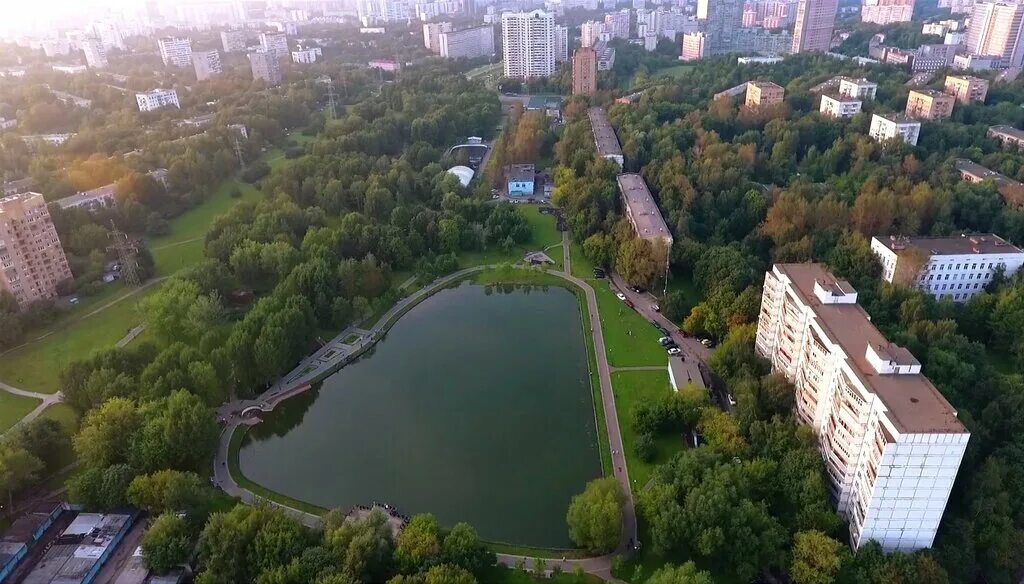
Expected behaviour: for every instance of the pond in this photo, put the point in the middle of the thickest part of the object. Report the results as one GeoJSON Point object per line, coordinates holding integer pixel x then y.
{"type": "Point", "coordinates": [476, 407]}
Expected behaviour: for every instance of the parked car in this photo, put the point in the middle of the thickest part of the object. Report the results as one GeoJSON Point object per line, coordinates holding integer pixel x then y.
{"type": "Point", "coordinates": [661, 329]}
{"type": "Point", "coordinates": [620, 296]}
{"type": "Point", "coordinates": [674, 351]}
{"type": "Point", "coordinates": [665, 340]}
{"type": "Point", "coordinates": [655, 308]}
{"type": "Point", "coordinates": [707, 343]}
{"type": "Point", "coordinates": [683, 333]}
{"type": "Point", "coordinates": [628, 303]}
{"type": "Point", "coordinates": [599, 273]}
{"type": "Point", "coordinates": [638, 289]}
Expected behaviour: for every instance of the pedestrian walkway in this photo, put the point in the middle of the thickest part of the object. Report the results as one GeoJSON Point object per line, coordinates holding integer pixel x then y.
{"type": "Point", "coordinates": [46, 400]}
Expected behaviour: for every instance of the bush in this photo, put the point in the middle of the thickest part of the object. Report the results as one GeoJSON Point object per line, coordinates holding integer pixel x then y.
{"type": "Point", "coordinates": [255, 171]}
{"type": "Point", "coordinates": [644, 447]}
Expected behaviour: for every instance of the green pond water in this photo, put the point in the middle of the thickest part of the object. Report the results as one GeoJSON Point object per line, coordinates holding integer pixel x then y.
{"type": "Point", "coordinates": [476, 407]}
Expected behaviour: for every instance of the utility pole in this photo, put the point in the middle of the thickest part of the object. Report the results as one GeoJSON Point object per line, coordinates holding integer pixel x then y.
{"type": "Point", "coordinates": [126, 251]}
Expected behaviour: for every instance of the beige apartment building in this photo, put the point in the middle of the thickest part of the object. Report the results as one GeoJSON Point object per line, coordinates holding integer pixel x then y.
{"type": "Point", "coordinates": [966, 88]}
{"type": "Point", "coordinates": [891, 443]}
{"type": "Point", "coordinates": [32, 261]}
{"type": "Point", "coordinates": [814, 22]}
{"type": "Point", "coordinates": [928, 104]}
{"type": "Point", "coordinates": [584, 71]}
{"type": "Point", "coordinates": [763, 93]}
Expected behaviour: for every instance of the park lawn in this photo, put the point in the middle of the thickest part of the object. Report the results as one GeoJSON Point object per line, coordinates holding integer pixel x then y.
{"type": "Point", "coordinates": [36, 366]}
{"type": "Point", "coordinates": [194, 223]}
{"type": "Point", "coordinates": [13, 408]}
{"type": "Point", "coordinates": [503, 575]}
{"type": "Point", "coordinates": [675, 71]}
{"type": "Point", "coordinates": [63, 413]}
{"type": "Point", "coordinates": [543, 233]}
{"type": "Point", "coordinates": [67, 417]}
{"type": "Point", "coordinates": [629, 339]}
{"type": "Point", "coordinates": [632, 388]}
{"type": "Point", "coordinates": [582, 267]}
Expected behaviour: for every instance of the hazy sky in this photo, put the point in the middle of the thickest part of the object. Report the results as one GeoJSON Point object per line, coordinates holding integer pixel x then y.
{"type": "Point", "coordinates": [32, 13]}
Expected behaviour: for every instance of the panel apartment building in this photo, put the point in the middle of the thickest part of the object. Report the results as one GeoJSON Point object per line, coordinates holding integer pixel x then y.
{"type": "Point", "coordinates": [468, 43]}
{"type": "Point", "coordinates": [643, 212]}
{"type": "Point", "coordinates": [605, 141]}
{"type": "Point", "coordinates": [955, 268]}
{"type": "Point", "coordinates": [32, 261]}
{"type": "Point", "coordinates": [891, 442]}
{"type": "Point", "coordinates": [529, 44]}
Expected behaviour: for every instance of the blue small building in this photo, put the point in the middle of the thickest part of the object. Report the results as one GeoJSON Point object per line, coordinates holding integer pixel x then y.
{"type": "Point", "coordinates": [521, 178]}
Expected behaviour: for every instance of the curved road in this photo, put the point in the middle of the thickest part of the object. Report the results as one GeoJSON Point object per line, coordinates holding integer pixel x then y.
{"type": "Point", "coordinates": [598, 566]}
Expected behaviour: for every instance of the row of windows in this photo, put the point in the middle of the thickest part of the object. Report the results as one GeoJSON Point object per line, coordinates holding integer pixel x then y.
{"type": "Point", "coordinates": [974, 266]}
{"type": "Point", "coordinates": [954, 287]}
{"type": "Point", "coordinates": [959, 276]}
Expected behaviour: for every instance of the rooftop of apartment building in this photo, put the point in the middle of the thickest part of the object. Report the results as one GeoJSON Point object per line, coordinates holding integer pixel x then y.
{"type": "Point", "coordinates": [1008, 130]}
{"type": "Point", "coordinates": [835, 81]}
{"type": "Point", "coordinates": [834, 94]}
{"type": "Point", "coordinates": [913, 404]}
{"type": "Point", "coordinates": [642, 208]}
{"type": "Point", "coordinates": [898, 118]}
{"type": "Point", "coordinates": [933, 93]}
{"type": "Point", "coordinates": [604, 135]}
{"type": "Point", "coordinates": [964, 244]}
{"type": "Point", "coordinates": [765, 85]}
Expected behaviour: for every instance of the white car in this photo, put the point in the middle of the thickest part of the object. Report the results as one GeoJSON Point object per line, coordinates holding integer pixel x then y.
{"type": "Point", "coordinates": [732, 402]}
{"type": "Point", "coordinates": [655, 308]}
{"type": "Point", "coordinates": [620, 296]}
{"type": "Point", "coordinates": [674, 351]}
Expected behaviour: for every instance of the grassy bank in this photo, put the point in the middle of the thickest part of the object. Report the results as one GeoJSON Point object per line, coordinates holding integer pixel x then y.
{"type": "Point", "coordinates": [629, 339]}
{"type": "Point", "coordinates": [13, 408]}
{"type": "Point", "coordinates": [631, 389]}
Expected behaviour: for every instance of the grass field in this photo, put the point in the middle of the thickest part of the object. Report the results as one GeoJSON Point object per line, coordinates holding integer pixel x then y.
{"type": "Point", "coordinates": [542, 234]}
{"type": "Point", "coordinates": [64, 414]}
{"type": "Point", "coordinates": [581, 266]}
{"type": "Point", "coordinates": [13, 408]}
{"type": "Point", "coordinates": [632, 388]}
{"type": "Point", "coordinates": [629, 339]}
{"type": "Point", "coordinates": [37, 365]}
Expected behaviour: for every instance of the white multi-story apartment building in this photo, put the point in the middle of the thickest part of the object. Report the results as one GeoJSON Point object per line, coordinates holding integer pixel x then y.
{"type": "Point", "coordinates": [617, 24]}
{"type": "Point", "coordinates": [176, 52]}
{"type": "Point", "coordinates": [207, 64]}
{"type": "Point", "coordinates": [469, 43]}
{"type": "Point", "coordinates": [108, 33]}
{"type": "Point", "coordinates": [591, 32]}
{"type": "Point", "coordinates": [561, 43]}
{"type": "Point", "coordinates": [95, 54]}
{"type": "Point", "coordinates": [955, 267]}
{"type": "Point", "coordinates": [306, 56]}
{"type": "Point", "coordinates": [432, 33]}
{"type": "Point", "coordinates": [891, 442]}
{"type": "Point", "coordinates": [156, 99]}
{"type": "Point", "coordinates": [997, 29]}
{"type": "Point", "coordinates": [839, 106]}
{"type": "Point", "coordinates": [275, 44]}
{"type": "Point", "coordinates": [887, 11]}
{"type": "Point", "coordinates": [857, 88]}
{"type": "Point", "coordinates": [887, 126]}
{"type": "Point", "coordinates": [528, 42]}
{"type": "Point", "coordinates": [233, 41]}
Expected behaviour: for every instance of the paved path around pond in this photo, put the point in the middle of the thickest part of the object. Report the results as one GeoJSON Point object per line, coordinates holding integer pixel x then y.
{"type": "Point", "coordinates": [599, 566]}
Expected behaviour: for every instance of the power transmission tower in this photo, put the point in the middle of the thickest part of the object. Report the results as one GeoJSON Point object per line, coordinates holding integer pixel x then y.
{"type": "Point", "coordinates": [126, 251]}
{"type": "Point", "coordinates": [330, 97]}
{"type": "Point", "coordinates": [238, 153]}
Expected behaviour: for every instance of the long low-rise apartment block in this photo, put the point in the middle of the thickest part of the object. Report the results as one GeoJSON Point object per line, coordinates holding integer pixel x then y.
{"type": "Point", "coordinates": [604, 135]}
{"type": "Point", "coordinates": [891, 443]}
{"type": "Point", "coordinates": [1008, 136]}
{"type": "Point", "coordinates": [955, 267]}
{"type": "Point", "coordinates": [972, 172]}
{"type": "Point", "coordinates": [642, 211]}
